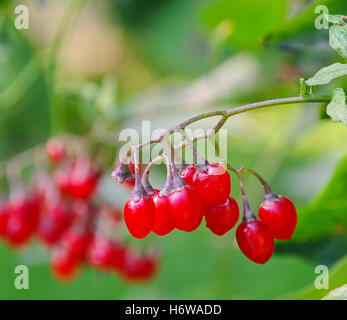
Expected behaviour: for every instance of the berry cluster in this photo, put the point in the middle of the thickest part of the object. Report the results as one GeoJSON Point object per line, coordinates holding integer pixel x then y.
{"type": "Point", "coordinates": [60, 210]}
{"type": "Point", "coordinates": [194, 192]}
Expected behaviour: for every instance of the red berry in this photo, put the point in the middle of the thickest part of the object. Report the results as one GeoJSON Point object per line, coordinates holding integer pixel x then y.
{"type": "Point", "coordinates": [55, 151]}
{"type": "Point", "coordinates": [185, 208]}
{"type": "Point", "coordinates": [139, 216]}
{"type": "Point", "coordinates": [280, 216]}
{"type": "Point", "coordinates": [78, 180]}
{"type": "Point", "coordinates": [3, 218]}
{"type": "Point", "coordinates": [56, 218]}
{"type": "Point", "coordinates": [76, 242]}
{"type": "Point", "coordinates": [23, 213]}
{"type": "Point", "coordinates": [213, 184]}
{"type": "Point", "coordinates": [187, 174]}
{"type": "Point", "coordinates": [105, 254]}
{"type": "Point", "coordinates": [255, 240]}
{"type": "Point", "coordinates": [64, 265]}
{"type": "Point", "coordinates": [222, 217]}
{"type": "Point", "coordinates": [84, 178]}
{"type": "Point", "coordinates": [139, 267]}
{"type": "Point", "coordinates": [163, 223]}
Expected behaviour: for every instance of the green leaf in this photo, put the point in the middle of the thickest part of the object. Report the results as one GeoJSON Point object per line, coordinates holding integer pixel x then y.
{"type": "Point", "coordinates": [337, 294]}
{"type": "Point", "coordinates": [335, 18]}
{"type": "Point", "coordinates": [327, 74]}
{"type": "Point", "coordinates": [337, 108]}
{"type": "Point", "coordinates": [327, 214]}
{"type": "Point", "coordinates": [338, 39]}
{"type": "Point", "coordinates": [303, 88]}
{"type": "Point", "coordinates": [337, 278]}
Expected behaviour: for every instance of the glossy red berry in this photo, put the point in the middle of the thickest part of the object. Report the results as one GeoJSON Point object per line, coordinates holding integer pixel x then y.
{"type": "Point", "coordinates": [255, 240]}
{"type": "Point", "coordinates": [213, 184]}
{"type": "Point", "coordinates": [185, 208]}
{"type": "Point", "coordinates": [139, 268]}
{"type": "Point", "coordinates": [139, 216]}
{"type": "Point", "coordinates": [163, 223]}
{"type": "Point", "coordinates": [64, 266]}
{"type": "Point", "coordinates": [221, 218]}
{"type": "Point", "coordinates": [279, 214]}
{"type": "Point", "coordinates": [55, 151]}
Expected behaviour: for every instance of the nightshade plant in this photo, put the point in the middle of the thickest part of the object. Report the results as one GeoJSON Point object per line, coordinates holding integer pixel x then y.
{"type": "Point", "coordinates": [201, 189]}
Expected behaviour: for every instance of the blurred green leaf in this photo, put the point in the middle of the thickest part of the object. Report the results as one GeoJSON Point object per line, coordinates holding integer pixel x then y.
{"type": "Point", "coordinates": [337, 278]}
{"type": "Point", "coordinates": [338, 40]}
{"type": "Point", "coordinates": [337, 294]}
{"type": "Point", "coordinates": [244, 23]}
{"type": "Point", "coordinates": [328, 213]}
{"type": "Point", "coordinates": [337, 108]}
{"type": "Point", "coordinates": [327, 74]}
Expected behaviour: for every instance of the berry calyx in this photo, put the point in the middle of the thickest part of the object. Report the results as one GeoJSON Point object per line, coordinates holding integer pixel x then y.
{"type": "Point", "coordinates": [187, 174]}
{"type": "Point", "coordinates": [213, 184]}
{"type": "Point", "coordinates": [163, 223]}
{"type": "Point", "coordinates": [221, 218]}
{"type": "Point", "coordinates": [139, 216]}
{"type": "Point", "coordinates": [279, 214]}
{"type": "Point", "coordinates": [255, 240]}
{"type": "Point", "coordinates": [185, 208]}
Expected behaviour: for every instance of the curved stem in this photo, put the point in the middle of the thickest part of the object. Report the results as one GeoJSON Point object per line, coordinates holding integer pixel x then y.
{"type": "Point", "coordinates": [231, 112]}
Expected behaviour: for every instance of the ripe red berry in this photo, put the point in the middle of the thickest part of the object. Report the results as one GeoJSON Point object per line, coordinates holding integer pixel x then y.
{"type": "Point", "coordinates": [64, 266]}
{"type": "Point", "coordinates": [187, 174]}
{"type": "Point", "coordinates": [255, 240]}
{"type": "Point", "coordinates": [104, 253]}
{"type": "Point", "coordinates": [139, 267]}
{"type": "Point", "coordinates": [55, 219]}
{"type": "Point", "coordinates": [222, 217]}
{"type": "Point", "coordinates": [213, 184]}
{"type": "Point", "coordinates": [23, 212]}
{"type": "Point", "coordinates": [55, 151]}
{"type": "Point", "coordinates": [163, 223]}
{"type": "Point", "coordinates": [78, 180]}
{"type": "Point", "coordinates": [84, 178]}
{"type": "Point", "coordinates": [76, 242]}
{"type": "Point", "coordinates": [279, 214]}
{"type": "Point", "coordinates": [3, 218]}
{"type": "Point", "coordinates": [185, 208]}
{"type": "Point", "coordinates": [139, 216]}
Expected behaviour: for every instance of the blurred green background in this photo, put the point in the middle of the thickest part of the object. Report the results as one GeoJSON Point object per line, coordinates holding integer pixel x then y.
{"type": "Point", "coordinates": [92, 68]}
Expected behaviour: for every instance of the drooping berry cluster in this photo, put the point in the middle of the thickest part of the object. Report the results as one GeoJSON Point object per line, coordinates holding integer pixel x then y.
{"type": "Point", "coordinates": [193, 192]}
{"type": "Point", "coordinates": [60, 210]}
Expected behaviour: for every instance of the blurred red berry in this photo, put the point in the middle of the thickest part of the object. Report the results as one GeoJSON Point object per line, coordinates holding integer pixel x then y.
{"type": "Point", "coordinates": [3, 218]}
{"type": "Point", "coordinates": [64, 265]}
{"type": "Point", "coordinates": [55, 151]}
{"type": "Point", "coordinates": [139, 268]}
